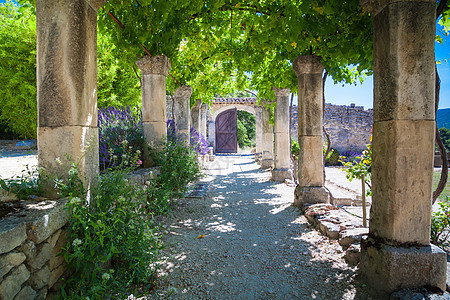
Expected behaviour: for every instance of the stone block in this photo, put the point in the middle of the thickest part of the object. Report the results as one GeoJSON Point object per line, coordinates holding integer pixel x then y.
{"type": "Point", "coordinates": [154, 132]}
{"type": "Point", "coordinates": [280, 175]}
{"type": "Point", "coordinates": [12, 284]}
{"type": "Point", "coordinates": [388, 268]}
{"type": "Point", "coordinates": [42, 294]}
{"type": "Point", "coordinates": [12, 235]}
{"type": "Point", "coordinates": [54, 238]}
{"type": "Point", "coordinates": [154, 65]}
{"type": "Point", "coordinates": [29, 249]}
{"type": "Point", "coordinates": [402, 180]}
{"type": "Point", "coordinates": [55, 275]}
{"type": "Point", "coordinates": [66, 65]}
{"type": "Point", "coordinates": [352, 236]}
{"type": "Point", "coordinates": [7, 196]}
{"type": "Point", "coordinates": [353, 254]}
{"type": "Point", "coordinates": [420, 293]}
{"type": "Point", "coordinates": [310, 164]}
{"type": "Point", "coordinates": [282, 150]}
{"type": "Point", "coordinates": [40, 278]}
{"type": "Point", "coordinates": [27, 293]}
{"type": "Point", "coordinates": [330, 229]}
{"type": "Point", "coordinates": [310, 195]}
{"type": "Point", "coordinates": [404, 85]}
{"type": "Point", "coordinates": [50, 216]}
{"type": "Point", "coordinates": [44, 253]}
{"type": "Point", "coordinates": [267, 163]}
{"type": "Point", "coordinates": [9, 261]}
{"type": "Point", "coordinates": [80, 143]}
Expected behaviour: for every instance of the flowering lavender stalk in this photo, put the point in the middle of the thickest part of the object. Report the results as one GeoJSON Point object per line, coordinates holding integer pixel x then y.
{"type": "Point", "coordinates": [116, 125]}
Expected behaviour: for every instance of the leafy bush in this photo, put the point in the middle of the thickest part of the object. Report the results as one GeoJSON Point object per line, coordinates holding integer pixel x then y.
{"type": "Point", "coordinates": [28, 184]}
{"type": "Point", "coordinates": [295, 148]}
{"type": "Point", "coordinates": [440, 225]}
{"type": "Point", "coordinates": [119, 127]}
{"type": "Point", "coordinates": [350, 156]}
{"type": "Point", "coordinates": [18, 69]}
{"type": "Point", "coordinates": [359, 166]}
{"type": "Point", "coordinates": [111, 243]}
{"type": "Point", "coordinates": [246, 130]}
{"type": "Point", "coordinates": [332, 157]}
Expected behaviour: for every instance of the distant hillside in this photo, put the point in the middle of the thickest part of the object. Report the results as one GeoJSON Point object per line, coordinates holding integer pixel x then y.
{"type": "Point", "coordinates": [443, 118]}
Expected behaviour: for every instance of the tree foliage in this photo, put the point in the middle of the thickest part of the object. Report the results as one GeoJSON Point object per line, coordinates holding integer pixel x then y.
{"type": "Point", "coordinates": [246, 129]}
{"type": "Point", "coordinates": [18, 69]}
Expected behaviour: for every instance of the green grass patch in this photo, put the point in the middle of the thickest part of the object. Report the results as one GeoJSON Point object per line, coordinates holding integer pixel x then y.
{"type": "Point", "coordinates": [446, 192]}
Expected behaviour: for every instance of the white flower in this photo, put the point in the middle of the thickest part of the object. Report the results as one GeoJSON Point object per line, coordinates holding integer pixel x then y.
{"type": "Point", "coordinates": [58, 160]}
{"type": "Point", "coordinates": [76, 242]}
{"type": "Point", "coordinates": [106, 276]}
{"type": "Point", "coordinates": [75, 200]}
{"type": "Point", "coordinates": [138, 152]}
{"type": "Point", "coordinates": [121, 198]}
{"type": "Point", "coordinates": [125, 142]}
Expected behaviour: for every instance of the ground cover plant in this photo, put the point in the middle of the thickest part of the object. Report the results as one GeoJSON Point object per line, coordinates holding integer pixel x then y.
{"type": "Point", "coordinates": [113, 234]}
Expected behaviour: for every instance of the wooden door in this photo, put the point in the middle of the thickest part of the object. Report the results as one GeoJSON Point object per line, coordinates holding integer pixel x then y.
{"type": "Point", "coordinates": [226, 131]}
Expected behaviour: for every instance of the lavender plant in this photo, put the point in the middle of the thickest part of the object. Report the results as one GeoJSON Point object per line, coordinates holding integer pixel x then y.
{"type": "Point", "coordinates": [198, 142]}
{"type": "Point", "coordinates": [119, 126]}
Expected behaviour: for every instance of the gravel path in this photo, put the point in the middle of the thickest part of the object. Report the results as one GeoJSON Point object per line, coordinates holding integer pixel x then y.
{"type": "Point", "coordinates": [244, 240]}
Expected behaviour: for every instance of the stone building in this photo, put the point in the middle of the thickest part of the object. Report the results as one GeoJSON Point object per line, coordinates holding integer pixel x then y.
{"type": "Point", "coordinates": [349, 127]}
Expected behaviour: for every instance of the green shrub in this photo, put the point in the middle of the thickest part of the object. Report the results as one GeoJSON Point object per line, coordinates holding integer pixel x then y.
{"type": "Point", "coordinates": [18, 69]}
{"type": "Point", "coordinates": [332, 158]}
{"type": "Point", "coordinates": [440, 225]}
{"type": "Point", "coordinates": [246, 130]}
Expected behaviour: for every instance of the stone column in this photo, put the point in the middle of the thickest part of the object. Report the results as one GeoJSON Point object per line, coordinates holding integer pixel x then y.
{"type": "Point", "coordinates": [282, 168]}
{"type": "Point", "coordinates": [398, 253]}
{"type": "Point", "coordinates": [195, 115]}
{"type": "Point", "coordinates": [67, 88]}
{"type": "Point", "coordinates": [154, 70]}
{"type": "Point", "coordinates": [267, 140]}
{"type": "Point", "coordinates": [182, 112]}
{"type": "Point", "coordinates": [259, 132]}
{"type": "Point", "coordinates": [203, 117]}
{"type": "Point", "coordinates": [212, 133]}
{"type": "Point", "coordinates": [310, 119]}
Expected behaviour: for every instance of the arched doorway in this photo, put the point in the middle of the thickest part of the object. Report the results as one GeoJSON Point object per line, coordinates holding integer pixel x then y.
{"type": "Point", "coordinates": [226, 131]}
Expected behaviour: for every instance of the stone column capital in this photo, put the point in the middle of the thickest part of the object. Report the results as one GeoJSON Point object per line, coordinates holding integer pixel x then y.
{"type": "Point", "coordinates": [204, 107]}
{"type": "Point", "coordinates": [308, 64]}
{"type": "Point", "coordinates": [375, 6]}
{"type": "Point", "coordinates": [184, 91]}
{"type": "Point", "coordinates": [96, 4]}
{"type": "Point", "coordinates": [154, 65]}
{"type": "Point", "coordinates": [280, 92]}
{"type": "Point", "coordinates": [198, 104]}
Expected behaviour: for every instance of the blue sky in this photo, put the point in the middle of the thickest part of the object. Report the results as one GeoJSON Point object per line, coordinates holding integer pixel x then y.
{"type": "Point", "coordinates": [363, 94]}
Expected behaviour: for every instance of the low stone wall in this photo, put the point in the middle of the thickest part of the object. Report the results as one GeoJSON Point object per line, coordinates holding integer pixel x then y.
{"type": "Point", "coordinates": [32, 234]}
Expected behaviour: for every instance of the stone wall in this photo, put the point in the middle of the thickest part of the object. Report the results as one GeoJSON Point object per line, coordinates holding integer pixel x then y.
{"type": "Point", "coordinates": [32, 234]}
{"type": "Point", "coordinates": [349, 127]}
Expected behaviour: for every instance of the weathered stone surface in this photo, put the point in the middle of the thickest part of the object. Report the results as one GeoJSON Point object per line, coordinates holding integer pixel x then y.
{"type": "Point", "coordinates": [259, 129]}
{"type": "Point", "coordinates": [353, 254]}
{"type": "Point", "coordinates": [195, 115]}
{"type": "Point", "coordinates": [352, 236]}
{"type": "Point", "coordinates": [311, 195]}
{"type": "Point", "coordinates": [40, 278]}
{"type": "Point", "coordinates": [9, 261]}
{"type": "Point", "coordinates": [79, 142]}
{"type": "Point", "coordinates": [29, 249]}
{"type": "Point", "coordinates": [307, 64]}
{"type": "Point", "coordinates": [50, 216]}
{"type": "Point", "coordinates": [11, 284]}
{"type": "Point", "coordinates": [310, 163]}
{"type": "Point", "coordinates": [159, 65]}
{"type": "Point", "coordinates": [12, 235]}
{"type": "Point", "coordinates": [66, 67]}
{"type": "Point", "coordinates": [44, 253]}
{"type": "Point", "coordinates": [7, 196]}
{"type": "Point", "coordinates": [402, 181]}
{"type": "Point", "coordinates": [41, 294]}
{"type": "Point", "coordinates": [389, 269]}
{"type": "Point", "coordinates": [280, 175]}
{"type": "Point", "coordinates": [27, 293]}
{"type": "Point", "coordinates": [267, 163]}
{"type": "Point", "coordinates": [330, 229]}
{"type": "Point", "coordinates": [55, 275]}
{"type": "Point", "coordinates": [54, 238]}
{"type": "Point", "coordinates": [56, 261]}
{"type": "Point", "coordinates": [419, 293]}
{"type": "Point", "coordinates": [182, 111]}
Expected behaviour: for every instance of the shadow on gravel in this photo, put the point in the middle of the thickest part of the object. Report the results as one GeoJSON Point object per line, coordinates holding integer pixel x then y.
{"type": "Point", "coordinates": [246, 241]}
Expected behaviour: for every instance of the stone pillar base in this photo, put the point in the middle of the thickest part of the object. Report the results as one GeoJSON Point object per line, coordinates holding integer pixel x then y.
{"type": "Point", "coordinates": [311, 195]}
{"type": "Point", "coordinates": [266, 163]}
{"type": "Point", "coordinates": [388, 269]}
{"type": "Point", "coordinates": [280, 175]}
{"type": "Point", "coordinates": [258, 157]}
